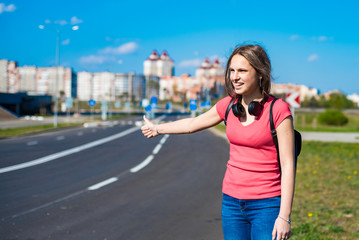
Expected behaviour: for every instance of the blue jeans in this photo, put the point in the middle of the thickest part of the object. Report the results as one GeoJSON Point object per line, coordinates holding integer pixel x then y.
{"type": "Point", "coordinates": [249, 219]}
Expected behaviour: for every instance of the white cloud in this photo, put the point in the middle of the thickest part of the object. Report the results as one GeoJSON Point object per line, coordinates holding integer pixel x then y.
{"type": "Point", "coordinates": [313, 57]}
{"type": "Point", "coordinates": [8, 8]}
{"type": "Point", "coordinates": [97, 59]}
{"type": "Point", "coordinates": [322, 38]}
{"type": "Point", "coordinates": [41, 26]}
{"type": "Point", "coordinates": [47, 21]}
{"type": "Point", "coordinates": [61, 22]}
{"type": "Point", "coordinates": [120, 61]}
{"type": "Point", "coordinates": [66, 42]}
{"type": "Point", "coordinates": [123, 49]}
{"type": "Point", "coordinates": [190, 63]}
{"type": "Point", "coordinates": [93, 59]}
{"type": "Point", "coordinates": [75, 20]}
{"type": "Point", "coordinates": [294, 37]}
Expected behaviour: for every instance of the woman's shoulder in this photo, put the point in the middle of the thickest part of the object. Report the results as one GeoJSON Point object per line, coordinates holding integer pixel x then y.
{"type": "Point", "coordinates": [279, 104]}
{"type": "Point", "coordinates": [222, 105]}
{"type": "Point", "coordinates": [225, 100]}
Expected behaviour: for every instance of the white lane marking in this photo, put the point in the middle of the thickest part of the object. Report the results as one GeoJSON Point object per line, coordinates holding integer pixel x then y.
{"type": "Point", "coordinates": [67, 152]}
{"type": "Point", "coordinates": [32, 143]}
{"type": "Point", "coordinates": [142, 164]}
{"type": "Point", "coordinates": [164, 139]}
{"type": "Point", "coordinates": [60, 138]}
{"type": "Point", "coordinates": [157, 149]}
{"type": "Point", "coordinates": [80, 133]}
{"type": "Point", "coordinates": [47, 204]}
{"type": "Point", "coordinates": [150, 158]}
{"type": "Point", "coordinates": [102, 184]}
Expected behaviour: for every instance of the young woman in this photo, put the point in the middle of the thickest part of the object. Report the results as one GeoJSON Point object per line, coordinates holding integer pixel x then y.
{"type": "Point", "coordinates": [257, 195]}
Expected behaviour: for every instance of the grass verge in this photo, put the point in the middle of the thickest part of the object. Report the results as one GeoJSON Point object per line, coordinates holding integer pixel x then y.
{"type": "Point", "coordinates": [12, 132]}
{"type": "Point", "coordinates": [327, 184]}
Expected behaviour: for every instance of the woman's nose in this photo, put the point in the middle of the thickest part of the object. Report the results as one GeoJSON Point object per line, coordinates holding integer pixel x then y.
{"type": "Point", "coordinates": [235, 76]}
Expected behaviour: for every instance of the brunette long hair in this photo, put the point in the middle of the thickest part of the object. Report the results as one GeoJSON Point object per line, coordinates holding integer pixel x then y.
{"type": "Point", "coordinates": [258, 59]}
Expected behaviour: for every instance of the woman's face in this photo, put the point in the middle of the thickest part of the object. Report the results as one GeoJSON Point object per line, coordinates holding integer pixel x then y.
{"type": "Point", "coordinates": [243, 76]}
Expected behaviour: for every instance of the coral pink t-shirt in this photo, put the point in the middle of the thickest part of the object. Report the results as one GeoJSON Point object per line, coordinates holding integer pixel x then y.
{"type": "Point", "coordinates": [252, 168]}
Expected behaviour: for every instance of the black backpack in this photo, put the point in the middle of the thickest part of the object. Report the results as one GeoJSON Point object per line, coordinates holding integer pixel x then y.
{"type": "Point", "coordinates": [297, 135]}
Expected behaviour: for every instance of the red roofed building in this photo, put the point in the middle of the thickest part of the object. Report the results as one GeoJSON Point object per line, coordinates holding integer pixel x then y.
{"type": "Point", "coordinates": [158, 65]}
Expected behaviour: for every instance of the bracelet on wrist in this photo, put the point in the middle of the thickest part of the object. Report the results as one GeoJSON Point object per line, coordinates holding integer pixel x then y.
{"type": "Point", "coordinates": [287, 220]}
{"type": "Point", "coordinates": [157, 130]}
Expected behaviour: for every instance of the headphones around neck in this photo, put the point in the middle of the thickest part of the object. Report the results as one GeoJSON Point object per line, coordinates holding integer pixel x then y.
{"type": "Point", "coordinates": [254, 108]}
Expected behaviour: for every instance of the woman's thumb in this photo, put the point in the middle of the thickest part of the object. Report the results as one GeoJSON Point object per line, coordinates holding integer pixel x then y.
{"type": "Point", "coordinates": [145, 119]}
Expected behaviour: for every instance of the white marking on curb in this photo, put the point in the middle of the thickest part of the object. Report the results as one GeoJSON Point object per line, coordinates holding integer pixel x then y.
{"type": "Point", "coordinates": [102, 184]}
{"type": "Point", "coordinates": [60, 138]}
{"type": "Point", "coordinates": [32, 143]}
{"type": "Point", "coordinates": [142, 164]}
{"type": "Point", "coordinates": [67, 152]}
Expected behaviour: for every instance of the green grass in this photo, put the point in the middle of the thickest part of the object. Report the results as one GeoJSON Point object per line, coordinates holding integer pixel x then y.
{"type": "Point", "coordinates": [12, 132]}
{"type": "Point", "coordinates": [326, 195]}
{"type": "Point", "coordinates": [309, 122]}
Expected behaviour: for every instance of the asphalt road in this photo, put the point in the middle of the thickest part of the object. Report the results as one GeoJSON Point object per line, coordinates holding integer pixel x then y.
{"type": "Point", "coordinates": [109, 182]}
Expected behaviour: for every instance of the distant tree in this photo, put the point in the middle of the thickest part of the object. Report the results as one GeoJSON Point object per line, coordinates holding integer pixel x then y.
{"type": "Point", "coordinates": [311, 102]}
{"type": "Point", "coordinates": [339, 101]}
{"type": "Point", "coordinates": [333, 117]}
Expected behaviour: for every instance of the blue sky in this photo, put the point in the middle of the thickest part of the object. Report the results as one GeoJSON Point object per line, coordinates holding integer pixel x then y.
{"type": "Point", "coordinates": [315, 43]}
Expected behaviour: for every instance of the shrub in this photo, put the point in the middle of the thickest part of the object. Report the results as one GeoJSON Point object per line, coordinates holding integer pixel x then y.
{"type": "Point", "coordinates": [333, 117]}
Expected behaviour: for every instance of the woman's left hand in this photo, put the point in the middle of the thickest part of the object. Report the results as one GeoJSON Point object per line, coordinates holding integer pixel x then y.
{"type": "Point", "coordinates": [149, 129]}
{"type": "Point", "coordinates": [281, 230]}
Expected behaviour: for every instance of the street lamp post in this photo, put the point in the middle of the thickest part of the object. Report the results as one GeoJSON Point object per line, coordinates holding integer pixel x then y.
{"type": "Point", "coordinates": [57, 77]}
{"type": "Point", "coordinates": [74, 28]}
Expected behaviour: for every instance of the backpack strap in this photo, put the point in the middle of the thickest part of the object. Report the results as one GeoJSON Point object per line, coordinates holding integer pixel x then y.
{"type": "Point", "coordinates": [229, 109]}
{"type": "Point", "coordinates": [273, 131]}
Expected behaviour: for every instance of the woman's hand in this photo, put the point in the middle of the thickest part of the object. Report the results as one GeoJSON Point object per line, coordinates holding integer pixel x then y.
{"type": "Point", "coordinates": [149, 129]}
{"type": "Point", "coordinates": [281, 229]}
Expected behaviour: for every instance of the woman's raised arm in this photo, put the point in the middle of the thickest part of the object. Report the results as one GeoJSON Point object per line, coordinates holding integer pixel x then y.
{"type": "Point", "coordinates": [187, 125]}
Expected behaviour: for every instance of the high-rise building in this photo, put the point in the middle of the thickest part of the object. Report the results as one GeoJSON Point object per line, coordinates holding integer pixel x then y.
{"type": "Point", "coordinates": [28, 79]}
{"type": "Point", "coordinates": [9, 76]}
{"type": "Point", "coordinates": [84, 86]}
{"type": "Point", "coordinates": [3, 75]}
{"type": "Point", "coordinates": [110, 86]}
{"type": "Point", "coordinates": [207, 69]}
{"type": "Point", "coordinates": [157, 65]}
{"type": "Point", "coordinates": [46, 81]}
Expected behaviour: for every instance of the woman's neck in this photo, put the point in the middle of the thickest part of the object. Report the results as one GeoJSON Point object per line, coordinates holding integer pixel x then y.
{"type": "Point", "coordinates": [247, 99]}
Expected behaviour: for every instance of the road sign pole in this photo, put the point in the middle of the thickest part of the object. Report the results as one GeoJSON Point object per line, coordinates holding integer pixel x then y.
{"type": "Point", "coordinates": [292, 109]}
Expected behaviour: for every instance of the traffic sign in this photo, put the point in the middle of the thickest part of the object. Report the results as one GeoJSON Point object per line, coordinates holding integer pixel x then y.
{"type": "Point", "coordinates": [293, 99]}
{"type": "Point", "coordinates": [69, 102]}
{"type": "Point", "coordinates": [193, 104]}
{"type": "Point", "coordinates": [148, 108]}
{"type": "Point", "coordinates": [92, 103]}
{"type": "Point", "coordinates": [145, 102]}
{"type": "Point", "coordinates": [154, 100]}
